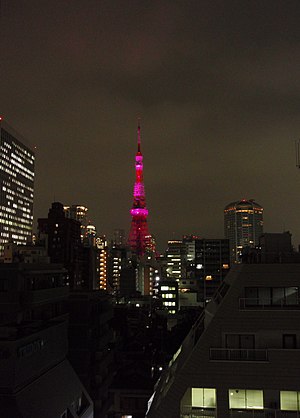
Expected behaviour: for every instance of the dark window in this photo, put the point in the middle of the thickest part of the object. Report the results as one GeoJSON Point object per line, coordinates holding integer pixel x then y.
{"type": "Point", "coordinates": [289, 341]}
{"type": "Point", "coordinates": [271, 296]}
{"type": "Point", "coordinates": [240, 341]}
{"type": "Point", "coordinates": [3, 285]}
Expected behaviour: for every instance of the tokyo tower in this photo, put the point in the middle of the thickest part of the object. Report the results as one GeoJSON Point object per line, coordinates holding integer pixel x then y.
{"type": "Point", "coordinates": [139, 238]}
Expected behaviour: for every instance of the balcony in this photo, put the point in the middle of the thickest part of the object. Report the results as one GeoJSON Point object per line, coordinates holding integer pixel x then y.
{"type": "Point", "coordinates": [190, 412]}
{"type": "Point", "coordinates": [262, 413]}
{"type": "Point", "coordinates": [238, 354]}
{"type": "Point", "coordinates": [268, 305]}
{"type": "Point", "coordinates": [42, 296]}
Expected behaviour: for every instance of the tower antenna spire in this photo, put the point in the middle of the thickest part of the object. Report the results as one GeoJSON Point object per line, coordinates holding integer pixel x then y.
{"type": "Point", "coordinates": [139, 134]}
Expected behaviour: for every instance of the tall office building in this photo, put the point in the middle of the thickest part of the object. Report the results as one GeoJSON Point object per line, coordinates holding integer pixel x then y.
{"type": "Point", "coordinates": [16, 187]}
{"type": "Point", "coordinates": [176, 255]}
{"type": "Point", "coordinates": [243, 225]}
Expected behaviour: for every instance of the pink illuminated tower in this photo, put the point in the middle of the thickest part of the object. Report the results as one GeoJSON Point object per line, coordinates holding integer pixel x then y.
{"type": "Point", "coordinates": [139, 235]}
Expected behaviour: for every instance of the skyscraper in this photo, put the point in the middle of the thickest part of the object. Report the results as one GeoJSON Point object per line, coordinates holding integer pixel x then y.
{"type": "Point", "coordinates": [243, 225]}
{"type": "Point", "coordinates": [139, 228]}
{"type": "Point", "coordinates": [16, 187]}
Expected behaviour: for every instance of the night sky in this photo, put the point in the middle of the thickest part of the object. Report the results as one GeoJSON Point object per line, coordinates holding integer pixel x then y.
{"type": "Point", "coordinates": [216, 84]}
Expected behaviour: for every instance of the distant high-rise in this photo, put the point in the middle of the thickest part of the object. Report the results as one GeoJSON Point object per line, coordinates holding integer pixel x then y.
{"type": "Point", "coordinates": [16, 188]}
{"type": "Point", "coordinates": [176, 255]}
{"type": "Point", "coordinates": [64, 246]}
{"type": "Point", "coordinates": [243, 225]}
{"type": "Point", "coordinates": [119, 238]}
{"type": "Point", "coordinates": [79, 213]}
{"type": "Point", "coordinates": [102, 261]}
{"type": "Point", "coordinates": [139, 234]}
{"type": "Point", "coordinates": [207, 262]}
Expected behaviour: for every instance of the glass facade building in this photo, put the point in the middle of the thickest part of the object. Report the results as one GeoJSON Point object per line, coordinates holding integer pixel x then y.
{"type": "Point", "coordinates": [243, 225]}
{"type": "Point", "coordinates": [16, 188]}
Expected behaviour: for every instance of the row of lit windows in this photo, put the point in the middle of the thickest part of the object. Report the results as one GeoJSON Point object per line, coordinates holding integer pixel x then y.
{"type": "Point", "coordinates": [15, 218]}
{"type": "Point", "coordinates": [20, 190]}
{"type": "Point", "coordinates": [21, 170]}
{"type": "Point", "coordinates": [168, 296]}
{"type": "Point", "coordinates": [20, 164]}
{"type": "Point", "coordinates": [15, 236]}
{"type": "Point", "coordinates": [4, 156]}
{"type": "Point", "coordinates": [20, 195]}
{"type": "Point", "coordinates": [19, 183]}
{"type": "Point", "coordinates": [244, 399]}
{"type": "Point", "coordinates": [15, 208]}
{"type": "Point", "coordinates": [169, 303]}
{"type": "Point", "coordinates": [23, 174]}
{"type": "Point", "coordinates": [4, 145]}
{"type": "Point", "coordinates": [234, 210]}
{"type": "Point", "coordinates": [26, 156]}
{"type": "Point", "coordinates": [22, 150]}
{"type": "Point", "coordinates": [23, 209]}
{"type": "Point", "coordinates": [19, 225]}
{"type": "Point", "coordinates": [21, 158]}
{"type": "Point", "coordinates": [5, 209]}
{"type": "Point", "coordinates": [17, 158]}
{"type": "Point", "coordinates": [19, 240]}
{"type": "Point", "coordinates": [6, 170]}
{"type": "Point", "coordinates": [11, 164]}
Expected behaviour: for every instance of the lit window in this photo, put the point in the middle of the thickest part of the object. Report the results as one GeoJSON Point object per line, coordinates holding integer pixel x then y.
{"type": "Point", "coordinates": [246, 399]}
{"type": "Point", "coordinates": [203, 398]}
{"type": "Point", "coordinates": [289, 400]}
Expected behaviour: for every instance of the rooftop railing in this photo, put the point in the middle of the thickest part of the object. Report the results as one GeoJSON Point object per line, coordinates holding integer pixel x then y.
{"type": "Point", "coordinates": [238, 354]}
{"type": "Point", "coordinates": [268, 304]}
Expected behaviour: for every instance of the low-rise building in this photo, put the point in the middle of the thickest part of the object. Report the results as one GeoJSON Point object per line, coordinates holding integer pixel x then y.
{"type": "Point", "coordinates": [242, 356]}
{"type": "Point", "coordinates": [36, 379]}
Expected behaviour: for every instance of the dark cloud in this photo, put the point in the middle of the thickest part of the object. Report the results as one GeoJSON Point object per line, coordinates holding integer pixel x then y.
{"type": "Point", "coordinates": [215, 82]}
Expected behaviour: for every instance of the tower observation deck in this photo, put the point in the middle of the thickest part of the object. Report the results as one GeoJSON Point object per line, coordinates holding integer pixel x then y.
{"type": "Point", "coordinates": [139, 235]}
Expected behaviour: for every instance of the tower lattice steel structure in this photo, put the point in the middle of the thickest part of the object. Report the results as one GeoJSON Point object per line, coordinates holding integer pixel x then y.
{"type": "Point", "coordinates": [139, 237]}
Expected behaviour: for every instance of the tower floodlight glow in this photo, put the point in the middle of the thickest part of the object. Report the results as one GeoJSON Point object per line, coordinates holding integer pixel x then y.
{"type": "Point", "coordinates": [139, 234]}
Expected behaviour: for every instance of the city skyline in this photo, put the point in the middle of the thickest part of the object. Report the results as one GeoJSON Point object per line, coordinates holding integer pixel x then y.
{"type": "Point", "coordinates": [215, 85]}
